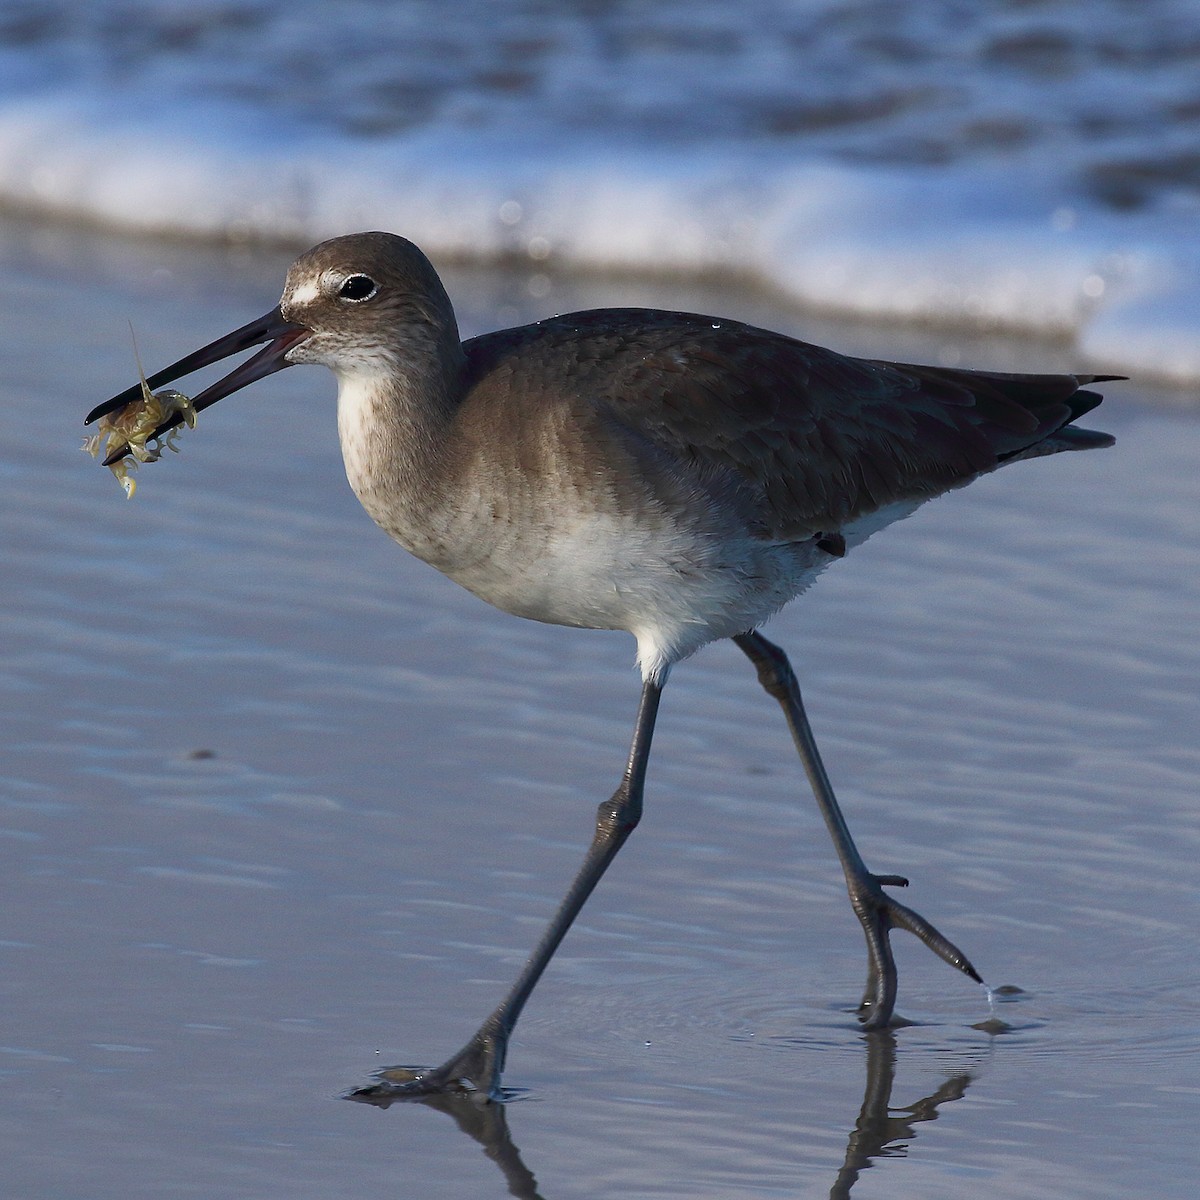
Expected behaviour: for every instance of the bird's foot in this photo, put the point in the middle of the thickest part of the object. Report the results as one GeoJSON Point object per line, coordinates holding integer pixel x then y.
{"type": "Point", "coordinates": [879, 915]}
{"type": "Point", "coordinates": [474, 1071]}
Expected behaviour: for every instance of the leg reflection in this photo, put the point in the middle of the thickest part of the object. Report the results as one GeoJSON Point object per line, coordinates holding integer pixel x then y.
{"type": "Point", "coordinates": [881, 1130]}
{"type": "Point", "coordinates": [485, 1122]}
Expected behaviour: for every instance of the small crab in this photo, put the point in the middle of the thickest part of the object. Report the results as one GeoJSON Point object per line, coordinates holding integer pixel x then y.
{"type": "Point", "coordinates": [133, 426]}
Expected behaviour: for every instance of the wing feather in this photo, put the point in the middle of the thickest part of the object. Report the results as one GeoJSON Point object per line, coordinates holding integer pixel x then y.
{"type": "Point", "coordinates": [810, 439]}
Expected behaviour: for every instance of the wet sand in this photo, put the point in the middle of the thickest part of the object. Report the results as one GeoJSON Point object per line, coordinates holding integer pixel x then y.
{"type": "Point", "coordinates": [279, 806]}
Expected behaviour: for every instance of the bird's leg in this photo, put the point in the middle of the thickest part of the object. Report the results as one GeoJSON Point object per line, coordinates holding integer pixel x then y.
{"type": "Point", "coordinates": [477, 1066]}
{"type": "Point", "coordinates": [877, 911]}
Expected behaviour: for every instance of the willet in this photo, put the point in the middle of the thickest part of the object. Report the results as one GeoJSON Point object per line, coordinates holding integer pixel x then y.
{"type": "Point", "coordinates": [677, 476]}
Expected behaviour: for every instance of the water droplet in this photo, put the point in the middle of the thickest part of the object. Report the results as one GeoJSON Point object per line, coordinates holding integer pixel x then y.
{"type": "Point", "coordinates": [993, 1025]}
{"type": "Point", "coordinates": [1007, 991]}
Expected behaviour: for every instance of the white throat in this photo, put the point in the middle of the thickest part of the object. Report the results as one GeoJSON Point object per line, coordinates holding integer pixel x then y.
{"type": "Point", "coordinates": [367, 427]}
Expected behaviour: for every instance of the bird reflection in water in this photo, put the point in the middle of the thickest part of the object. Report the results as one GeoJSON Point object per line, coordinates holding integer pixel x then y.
{"type": "Point", "coordinates": [881, 1131]}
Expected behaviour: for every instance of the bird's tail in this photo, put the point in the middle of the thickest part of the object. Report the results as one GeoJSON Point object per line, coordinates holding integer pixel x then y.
{"type": "Point", "coordinates": [1070, 436]}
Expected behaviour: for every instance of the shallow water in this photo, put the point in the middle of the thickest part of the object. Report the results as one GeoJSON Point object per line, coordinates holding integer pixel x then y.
{"type": "Point", "coordinates": [282, 806]}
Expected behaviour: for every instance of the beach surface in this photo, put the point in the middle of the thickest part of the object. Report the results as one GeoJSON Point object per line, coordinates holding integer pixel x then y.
{"type": "Point", "coordinates": [280, 806]}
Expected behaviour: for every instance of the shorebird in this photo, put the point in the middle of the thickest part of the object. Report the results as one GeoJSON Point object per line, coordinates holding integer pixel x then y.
{"type": "Point", "coordinates": [677, 476]}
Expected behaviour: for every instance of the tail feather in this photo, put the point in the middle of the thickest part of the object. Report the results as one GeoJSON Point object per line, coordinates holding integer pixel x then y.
{"type": "Point", "coordinates": [1069, 436]}
{"type": "Point", "coordinates": [1022, 416]}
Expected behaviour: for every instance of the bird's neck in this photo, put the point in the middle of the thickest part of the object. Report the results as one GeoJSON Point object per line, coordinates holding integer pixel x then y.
{"type": "Point", "coordinates": [395, 429]}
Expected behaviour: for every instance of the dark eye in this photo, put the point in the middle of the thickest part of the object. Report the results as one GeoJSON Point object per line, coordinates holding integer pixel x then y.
{"type": "Point", "coordinates": [357, 288]}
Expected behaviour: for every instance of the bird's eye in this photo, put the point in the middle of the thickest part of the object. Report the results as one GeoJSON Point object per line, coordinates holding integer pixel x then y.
{"type": "Point", "coordinates": [357, 288]}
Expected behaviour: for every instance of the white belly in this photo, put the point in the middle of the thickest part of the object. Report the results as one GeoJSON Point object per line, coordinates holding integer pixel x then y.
{"type": "Point", "coordinates": [675, 590]}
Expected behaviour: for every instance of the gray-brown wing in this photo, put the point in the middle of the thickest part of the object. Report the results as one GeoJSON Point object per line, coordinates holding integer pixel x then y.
{"type": "Point", "coordinates": [820, 438]}
{"type": "Point", "coordinates": [807, 437]}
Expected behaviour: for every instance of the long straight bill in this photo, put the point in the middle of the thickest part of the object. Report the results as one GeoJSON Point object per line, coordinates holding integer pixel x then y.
{"type": "Point", "coordinates": [273, 328]}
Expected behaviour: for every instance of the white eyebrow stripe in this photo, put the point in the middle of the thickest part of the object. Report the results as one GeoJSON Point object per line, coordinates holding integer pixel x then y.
{"type": "Point", "coordinates": [305, 293]}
